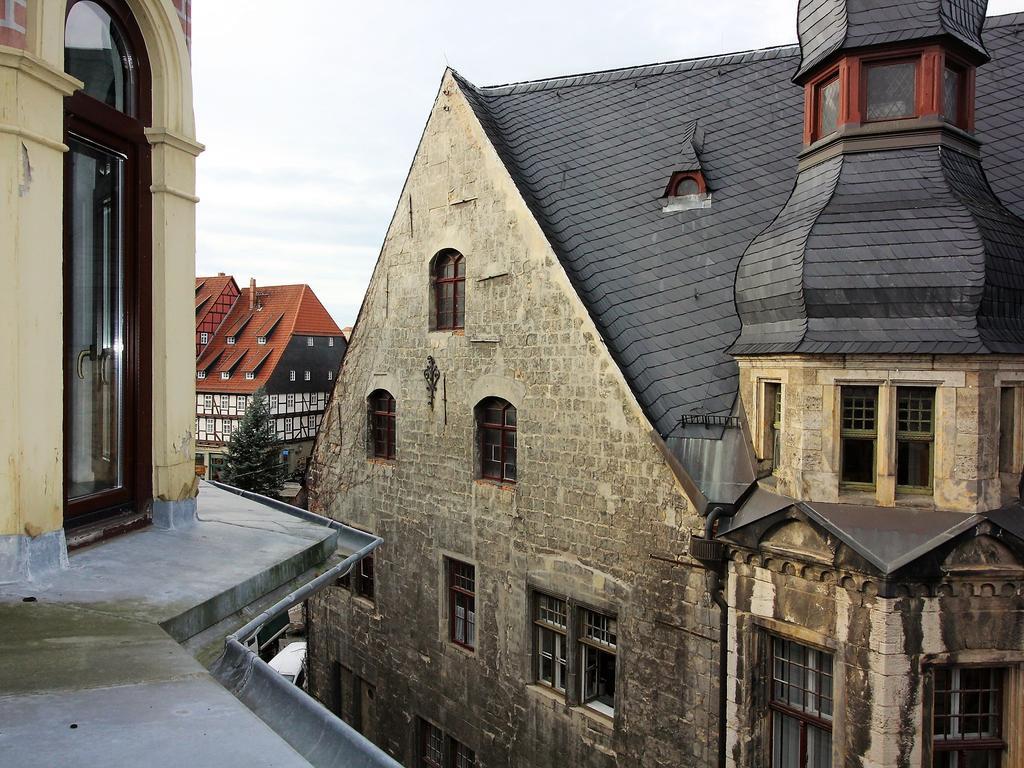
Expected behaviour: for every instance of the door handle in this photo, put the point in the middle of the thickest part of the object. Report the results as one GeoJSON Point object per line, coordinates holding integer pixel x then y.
{"type": "Point", "coordinates": [87, 352]}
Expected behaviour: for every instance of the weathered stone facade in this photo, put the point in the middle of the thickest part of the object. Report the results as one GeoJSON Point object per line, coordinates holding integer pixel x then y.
{"type": "Point", "coordinates": [595, 517]}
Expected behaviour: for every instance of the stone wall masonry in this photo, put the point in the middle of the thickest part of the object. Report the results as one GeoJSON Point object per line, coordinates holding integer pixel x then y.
{"type": "Point", "coordinates": [966, 447]}
{"type": "Point", "coordinates": [596, 515]}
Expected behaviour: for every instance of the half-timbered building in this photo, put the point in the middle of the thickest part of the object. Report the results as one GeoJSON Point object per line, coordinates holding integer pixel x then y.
{"type": "Point", "coordinates": [278, 337]}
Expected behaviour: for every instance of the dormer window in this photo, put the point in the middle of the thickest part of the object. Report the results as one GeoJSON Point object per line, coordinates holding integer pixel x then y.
{"type": "Point", "coordinates": [231, 341]}
{"type": "Point", "coordinates": [200, 375]}
{"type": "Point", "coordinates": [225, 375]}
{"type": "Point", "coordinates": [891, 90]}
{"type": "Point", "coordinates": [953, 80]}
{"type": "Point", "coordinates": [686, 190]}
{"type": "Point", "coordinates": [261, 339]}
{"type": "Point", "coordinates": [249, 375]}
{"type": "Point", "coordinates": [204, 338]}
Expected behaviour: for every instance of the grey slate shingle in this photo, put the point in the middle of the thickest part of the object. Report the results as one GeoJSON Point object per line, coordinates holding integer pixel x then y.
{"type": "Point", "coordinates": [591, 155]}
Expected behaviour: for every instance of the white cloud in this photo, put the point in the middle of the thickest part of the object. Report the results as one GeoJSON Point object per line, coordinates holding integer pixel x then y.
{"type": "Point", "coordinates": [310, 129]}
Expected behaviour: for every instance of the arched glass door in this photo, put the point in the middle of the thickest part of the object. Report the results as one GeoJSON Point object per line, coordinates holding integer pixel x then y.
{"type": "Point", "coordinates": [105, 252]}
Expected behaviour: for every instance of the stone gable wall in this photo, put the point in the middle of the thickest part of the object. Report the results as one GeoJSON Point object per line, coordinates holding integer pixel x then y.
{"type": "Point", "coordinates": [596, 514]}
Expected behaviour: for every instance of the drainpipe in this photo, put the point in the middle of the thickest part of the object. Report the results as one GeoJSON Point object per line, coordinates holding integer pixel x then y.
{"type": "Point", "coordinates": [710, 553]}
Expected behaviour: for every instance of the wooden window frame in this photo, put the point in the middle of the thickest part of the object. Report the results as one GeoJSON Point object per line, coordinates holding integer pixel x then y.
{"type": "Point", "coordinates": [385, 418]}
{"type": "Point", "coordinates": [819, 94]}
{"type": "Point", "coordinates": [858, 434]}
{"type": "Point", "coordinates": [882, 60]}
{"type": "Point", "coordinates": [916, 437]}
{"type": "Point", "coordinates": [456, 750]}
{"type": "Point", "coordinates": [586, 644]}
{"type": "Point", "coordinates": [426, 760]}
{"type": "Point", "coordinates": [453, 320]}
{"type": "Point", "coordinates": [365, 581]}
{"type": "Point", "coordinates": [560, 635]}
{"type": "Point", "coordinates": [961, 746]}
{"type": "Point", "coordinates": [504, 429]}
{"type": "Point", "coordinates": [777, 707]}
{"type": "Point", "coordinates": [459, 595]}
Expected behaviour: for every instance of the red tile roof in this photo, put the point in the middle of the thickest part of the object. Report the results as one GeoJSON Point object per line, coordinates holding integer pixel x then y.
{"type": "Point", "coordinates": [207, 290]}
{"type": "Point", "coordinates": [289, 309]}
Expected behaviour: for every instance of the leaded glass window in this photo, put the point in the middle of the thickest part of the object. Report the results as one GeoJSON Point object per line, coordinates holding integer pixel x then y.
{"type": "Point", "coordinates": [952, 88]}
{"type": "Point", "coordinates": [828, 107]}
{"type": "Point", "coordinates": [891, 90]}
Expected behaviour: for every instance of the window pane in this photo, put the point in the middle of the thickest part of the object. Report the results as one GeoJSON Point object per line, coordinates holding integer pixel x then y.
{"type": "Point", "coordinates": [819, 748]}
{"type": "Point", "coordinates": [687, 186]}
{"type": "Point", "coordinates": [915, 410]}
{"type": "Point", "coordinates": [785, 741]}
{"type": "Point", "coordinates": [859, 408]}
{"type": "Point", "coordinates": [1007, 419]}
{"type": "Point", "coordinates": [829, 107]}
{"type": "Point", "coordinates": [891, 90]}
{"type": "Point", "coordinates": [96, 53]}
{"type": "Point", "coordinates": [858, 461]}
{"type": "Point", "coordinates": [951, 90]}
{"type": "Point", "coordinates": [913, 464]}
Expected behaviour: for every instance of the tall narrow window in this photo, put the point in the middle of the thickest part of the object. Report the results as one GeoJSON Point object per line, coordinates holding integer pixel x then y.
{"type": "Point", "coordinates": [365, 583]}
{"type": "Point", "coordinates": [801, 706]}
{"type": "Point", "coordinates": [828, 107]}
{"type": "Point", "coordinates": [1007, 430]}
{"type": "Point", "coordinates": [597, 661]}
{"type": "Point", "coordinates": [967, 717]}
{"type": "Point", "coordinates": [891, 90]}
{"type": "Point", "coordinates": [551, 621]}
{"type": "Point", "coordinates": [915, 437]}
{"type": "Point", "coordinates": [497, 428]}
{"type": "Point", "coordinates": [450, 290]}
{"type": "Point", "coordinates": [204, 338]}
{"type": "Point", "coordinates": [858, 435]}
{"type": "Point", "coordinates": [952, 95]}
{"type": "Point", "coordinates": [462, 604]}
{"type": "Point", "coordinates": [771, 413]}
{"type": "Point", "coordinates": [431, 746]}
{"type": "Point", "coordinates": [382, 425]}
{"type": "Point", "coordinates": [107, 279]}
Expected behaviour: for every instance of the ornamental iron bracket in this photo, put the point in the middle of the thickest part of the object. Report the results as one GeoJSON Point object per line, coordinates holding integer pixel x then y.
{"type": "Point", "coordinates": [431, 374]}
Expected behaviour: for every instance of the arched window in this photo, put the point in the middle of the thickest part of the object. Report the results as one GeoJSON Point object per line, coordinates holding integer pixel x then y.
{"type": "Point", "coordinates": [449, 291]}
{"type": "Point", "coordinates": [381, 424]}
{"type": "Point", "coordinates": [496, 423]}
{"type": "Point", "coordinates": [108, 283]}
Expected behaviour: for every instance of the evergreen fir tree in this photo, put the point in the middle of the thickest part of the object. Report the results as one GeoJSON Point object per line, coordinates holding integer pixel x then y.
{"type": "Point", "coordinates": [253, 460]}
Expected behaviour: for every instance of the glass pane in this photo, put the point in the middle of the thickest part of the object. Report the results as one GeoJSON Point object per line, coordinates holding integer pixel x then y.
{"type": "Point", "coordinates": [891, 90]}
{"type": "Point", "coordinates": [95, 52]}
{"type": "Point", "coordinates": [859, 404]}
{"type": "Point", "coordinates": [687, 186]}
{"type": "Point", "coordinates": [829, 107]}
{"type": "Point", "coordinates": [94, 355]}
{"type": "Point", "coordinates": [913, 464]}
{"type": "Point", "coordinates": [785, 741]}
{"type": "Point", "coordinates": [819, 748]}
{"type": "Point", "coordinates": [951, 95]}
{"type": "Point", "coordinates": [915, 410]}
{"type": "Point", "coordinates": [858, 460]}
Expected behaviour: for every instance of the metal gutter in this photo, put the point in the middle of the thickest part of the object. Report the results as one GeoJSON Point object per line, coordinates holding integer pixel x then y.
{"type": "Point", "coordinates": [310, 729]}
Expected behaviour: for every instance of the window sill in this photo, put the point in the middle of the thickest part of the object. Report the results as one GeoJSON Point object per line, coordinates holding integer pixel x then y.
{"type": "Point", "coordinates": [498, 484]}
{"type": "Point", "coordinates": [548, 694]}
{"type": "Point", "coordinates": [365, 603]}
{"type": "Point", "coordinates": [449, 331]}
{"type": "Point", "coordinates": [468, 652]}
{"type": "Point", "coordinates": [605, 721]}
{"type": "Point", "coordinates": [381, 462]}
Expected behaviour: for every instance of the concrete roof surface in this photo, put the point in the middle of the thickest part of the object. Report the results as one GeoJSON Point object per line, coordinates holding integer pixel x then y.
{"type": "Point", "coordinates": [93, 672]}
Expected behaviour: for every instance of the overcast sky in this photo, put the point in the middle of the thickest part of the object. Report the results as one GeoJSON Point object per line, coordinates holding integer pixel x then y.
{"type": "Point", "coordinates": [311, 117]}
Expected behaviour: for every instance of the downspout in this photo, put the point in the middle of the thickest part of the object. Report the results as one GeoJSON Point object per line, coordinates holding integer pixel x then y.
{"type": "Point", "coordinates": [716, 588]}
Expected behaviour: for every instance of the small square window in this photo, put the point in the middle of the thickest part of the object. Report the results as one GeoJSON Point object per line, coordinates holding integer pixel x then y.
{"type": "Point", "coordinates": [305, 376]}
{"type": "Point", "coordinates": [204, 338]}
{"type": "Point", "coordinates": [225, 374]}
{"type": "Point", "coordinates": [249, 375]}
{"type": "Point", "coordinates": [291, 375]}
{"type": "Point", "coordinates": [200, 375]}
{"type": "Point", "coordinates": [231, 341]}
{"type": "Point", "coordinates": [261, 339]}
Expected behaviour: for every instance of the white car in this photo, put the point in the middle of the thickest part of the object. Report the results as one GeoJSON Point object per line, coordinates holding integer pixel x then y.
{"type": "Point", "coordinates": [291, 663]}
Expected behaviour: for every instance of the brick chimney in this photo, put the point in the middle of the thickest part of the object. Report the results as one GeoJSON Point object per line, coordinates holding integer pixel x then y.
{"type": "Point", "coordinates": [252, 293]}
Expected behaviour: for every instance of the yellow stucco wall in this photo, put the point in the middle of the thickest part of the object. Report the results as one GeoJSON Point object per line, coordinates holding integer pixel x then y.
{"type": "Point", "coordinates": [32, 90]}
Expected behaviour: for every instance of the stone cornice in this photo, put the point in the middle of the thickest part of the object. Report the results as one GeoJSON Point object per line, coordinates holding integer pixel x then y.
{"type": "Point", "coordinates": [36, 68]}
{"type": "Point", "coordinates": [177, 141]}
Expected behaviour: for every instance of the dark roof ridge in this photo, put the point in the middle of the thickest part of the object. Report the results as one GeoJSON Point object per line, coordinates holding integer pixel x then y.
{"type": "Point", "coordinates": [635, 72]}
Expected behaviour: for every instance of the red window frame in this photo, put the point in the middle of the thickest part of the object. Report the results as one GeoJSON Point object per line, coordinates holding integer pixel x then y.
{"type": "Point", "coordinates": [462, 594]}
{"type": "Point", "coordinates": [819, 95]}
{"type": "Point", "coordinates": [500, 417]}
{"type": "Point", "coordinates": [382, 424]}
{"type": "Point", "coordinates": [949, 720]}
{"type": "Point", "coordinates": [867, 63]}
{"type": "Point", "coordinates": [450, 289]}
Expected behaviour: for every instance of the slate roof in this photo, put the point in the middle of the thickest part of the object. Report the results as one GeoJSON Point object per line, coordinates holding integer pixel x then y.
{"type": "Point", "coordinates": [591, 155]}
{"type": "Point", "coordinates": [827, 26]}
{"type": "Point", "coordinates": [290, 310]}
